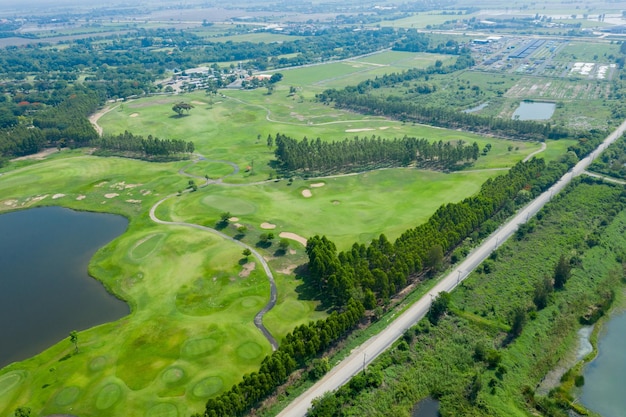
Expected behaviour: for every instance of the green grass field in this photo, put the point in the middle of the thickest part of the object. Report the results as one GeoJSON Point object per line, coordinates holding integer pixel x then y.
{"type": "Point", "coordinates": [190, 333]}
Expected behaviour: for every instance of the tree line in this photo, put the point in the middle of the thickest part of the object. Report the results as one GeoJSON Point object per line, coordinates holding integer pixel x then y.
{"type": "Point", "coordinates": [297, 348]}
{"type": "Point", "coordinates": [65, 124]}
{"type": "Point", "coordinates": [381, 269]}
{"type": "Point", "coordinates": [357, 154]}
{"type": "Point", "coordinates": [128, 144]}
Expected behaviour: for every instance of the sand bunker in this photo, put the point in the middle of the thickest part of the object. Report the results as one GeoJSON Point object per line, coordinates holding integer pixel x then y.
{"type": "Point", "coordinates": [134, 115]}
{"type": "Point", "coordinates": [10, 203]}
{"type": "Point", "coordinates": [307, 193]}
{"type": "Point", "coordinates": [247, 268]}
{"type": "Point", "coordinates": [37, 156]}
{"type": "Point", "coordinates": [317, 185]}
{"type": "Point", "coordinates": [54, 197]}
{"type": "Point", "coordinates": [111, 195]}
{"type": "Point", "coordinates": [233, 219]}
{"type": "Point", "coordinates": [384, 127]}
{"type": "Point", "coordinates": [266, 225]}
{"type": "Point", "coordinates": [133, 201]}
{"type": "Point", "coordinates": [293, 236]}
{"type": "Point", "coordinates": [100, 184]}
{"type": "Point", "coordinates": [366, 129]}
{"type": "Point", "coordinates": [81, 197]}
{"type": "Point", "coordinates": [198, 103]}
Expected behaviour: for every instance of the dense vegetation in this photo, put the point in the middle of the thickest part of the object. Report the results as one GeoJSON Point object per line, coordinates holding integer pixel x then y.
{"type": "Point", "coordinates": [495, 341]}
{"type": "Point", "coordinates": [359, 154]}
{"type": "Point", "coordinates": [612, 162]}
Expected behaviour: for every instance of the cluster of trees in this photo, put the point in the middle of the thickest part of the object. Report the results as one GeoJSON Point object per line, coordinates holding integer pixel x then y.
{"type": "Point", "coordinates": [127, 143]}
{"type": "Point", "coordinates": [414, 41]}
{"type": "Point", "coordinates": [300, 346]}
{"type": "Point", "coordinates": [362, 153]}
{"type": "Point", "coordinates": [65, 124]}
{"type": "Point", "coordinates": [612, 162]}
{"type": "Point", "coordinates": [380, 269]}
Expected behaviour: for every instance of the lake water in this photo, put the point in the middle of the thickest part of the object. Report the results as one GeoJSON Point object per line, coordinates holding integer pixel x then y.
{"type": "Point", "coordinates": [477, 108]}
{"type": "Point", "coordinates": [603, 391]}
{"type": "Point", "coordinates": [528, 110]}
{"type": "Point", "coordinates": [45, 291]}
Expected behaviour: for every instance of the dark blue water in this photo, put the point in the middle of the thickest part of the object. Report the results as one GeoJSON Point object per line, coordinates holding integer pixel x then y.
{"type": "Point", "coordinates": [45, 291]}
{"type": "Point", "coordinates": [603, 391]}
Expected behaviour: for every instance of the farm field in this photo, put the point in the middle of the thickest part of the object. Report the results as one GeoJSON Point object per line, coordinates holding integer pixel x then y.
{"type": "Point", "coordinates": [193, 295]}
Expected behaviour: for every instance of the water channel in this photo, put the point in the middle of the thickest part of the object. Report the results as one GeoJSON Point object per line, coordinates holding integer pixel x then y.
{"type": "Point", "coordinates": [45, 291]}
{"type": "Point", "coordinates": [534, 110]}
{"type": "Point", "coordinates": [603, 391]}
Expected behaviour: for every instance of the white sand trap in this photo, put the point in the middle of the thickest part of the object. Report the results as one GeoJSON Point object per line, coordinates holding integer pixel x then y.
{"type": "Point", "coordinates": [133, 201]}
{"type": "Point", "coordinates": [111, 195]}
{"type": "Point", "coordinates": [267, 226]}
{"type": "Point", "coordinates": [307, 193]}
{"type": "Point", "coordinates": [293, 236]}
{"type": "Point", "coordinates": [384, 127]}
{"type": "Point", "coordinates": [198, 103]}
{"type": "Point", "coordinates": [237, 225]}
{"type": "Point", "coordinates": [318, 185]}
{"type": "Point", "coordinates": [37, 156]}
{"type": "Point", "coordinates": [365, 129]}
{"type": "Point", "coordinates": [134, 115]}
{"type": "Point", "coordinates": [233, 219]}
{"type": "Point", "coordinates": [10, 203]}
{"type": "Point", "coordinates": [54, 197]}
{"type": "Point", "coordinates": [101, 184]}
{"type": "Point", "coordinates": [81, 197]}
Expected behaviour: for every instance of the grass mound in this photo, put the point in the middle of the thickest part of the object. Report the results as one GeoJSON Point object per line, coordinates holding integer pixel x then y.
{"type": "Point", "coordinates": [108, 396]}
{"type": "Point", "coordinates": [207, 387]}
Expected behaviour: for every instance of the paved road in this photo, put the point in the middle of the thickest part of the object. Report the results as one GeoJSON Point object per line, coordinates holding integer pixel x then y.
{"type": "Point", "coordinates": [371, 349]}
{"type": "Point", "coordinates": [258, 319]}
{"type": "Point", "coordinates": [605, 178]}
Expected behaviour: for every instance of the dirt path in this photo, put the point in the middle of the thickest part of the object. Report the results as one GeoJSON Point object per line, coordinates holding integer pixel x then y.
{"type": "Point", "coordinates": [93, 119]}
{"type": "Point", "coordinates": [543, 148]}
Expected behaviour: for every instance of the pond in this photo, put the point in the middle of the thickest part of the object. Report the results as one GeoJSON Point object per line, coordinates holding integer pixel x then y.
{"type": "Point", "coordinates": [603, 391]}
{"type": "Point", "coordinates": [428, 407]}
{"type": "Point", "coordinates": [477, 108]}
{"type": "Point", "coordinates": [534, 110]}
{"type": "Point", "coordinates": [45, 291]}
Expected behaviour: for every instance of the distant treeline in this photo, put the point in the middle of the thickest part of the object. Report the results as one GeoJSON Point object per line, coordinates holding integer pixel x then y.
{"type": "Point", "coordinates": [359, 99]}
{"type": "Point", "coordinates": [297, 348]}
{"type": "Point", "coordinates": [358, 154]}
{"type": "Point", "coordinates": [130, 145]}
{"type": "Point", "coordinates": [65, 124]}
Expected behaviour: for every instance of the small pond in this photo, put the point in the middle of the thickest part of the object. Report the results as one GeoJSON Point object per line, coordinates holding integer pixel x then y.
{"type": "Point", "coordinates": [534, 110]}
{"type": "Point", "coordinates": [428, 407]}
{"type": "Point", "coordinates": [45, 291]}
{"type": "Point", "coordinates": [477, 108]}
{"type": "Point", "coordinates": [603, 391]}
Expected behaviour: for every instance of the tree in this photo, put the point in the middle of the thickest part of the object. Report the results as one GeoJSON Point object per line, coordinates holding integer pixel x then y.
{"type": "Point", "coordinates": [246, 252]}
{"type": "Point", "coordinates": [562, 272]}
{"type": "Point", "coordinates": [434, 258]}
{"type": "Point", "coordinates": [182, 107]}
{"type": "Point", "coordinates": [543, 288]}
{"type": "Point", "coordinates": [74, 340]}
{"type": "Point", "coordinates": [276, 77]}
{"type": "Point", "coordinates": [22, 412]}
{"type": "Point", "coordinates": [283, 244]}
{"type": "Point", "coordinates": [518, 321]}
{"type": "Point", "coordinates": [438, 307]}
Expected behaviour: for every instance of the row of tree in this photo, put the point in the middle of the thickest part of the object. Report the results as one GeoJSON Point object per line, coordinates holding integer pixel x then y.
{"type": "Point", "coordinates": [397, 108]}
{"type": "Point", "coordinates": [296, 350]}
{"type": "Point", "coordinates": [359, 154]}
{"type": "Point", "coordinates": [381, 269]}
{"type": "Point", "coordinates": [128, 144]}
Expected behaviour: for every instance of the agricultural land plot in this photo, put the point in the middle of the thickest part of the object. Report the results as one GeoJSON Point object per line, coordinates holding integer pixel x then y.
{"type": "Point", "coordinates": [424, 20]}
